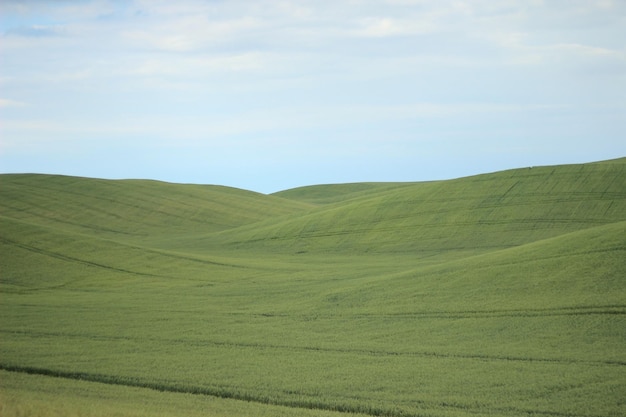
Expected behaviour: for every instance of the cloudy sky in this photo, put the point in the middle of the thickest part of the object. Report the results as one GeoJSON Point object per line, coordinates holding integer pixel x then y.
{"type": "Point", "coordinates": [269, 95]}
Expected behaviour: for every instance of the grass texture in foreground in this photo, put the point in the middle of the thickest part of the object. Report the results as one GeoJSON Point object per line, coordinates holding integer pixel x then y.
{"type": "Point", "coordinates": [23, 394]}
{"type": "Point", "coordinates": [497, 295]}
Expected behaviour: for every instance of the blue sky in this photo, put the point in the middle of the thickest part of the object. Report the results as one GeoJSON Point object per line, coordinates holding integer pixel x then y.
{"type": "Point", "coordinates": [269, 95]}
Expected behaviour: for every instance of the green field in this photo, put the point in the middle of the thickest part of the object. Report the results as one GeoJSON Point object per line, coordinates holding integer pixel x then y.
{"type": "Point", "coordinates": [501, 294]}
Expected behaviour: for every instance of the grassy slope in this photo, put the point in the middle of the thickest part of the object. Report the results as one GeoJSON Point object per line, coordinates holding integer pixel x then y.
{"type": "Point", "coordinates": [474, 214]}
{"type": "Point", "coordinates": [333, 193]}
{"type": "Point", "coordinates": [133, 208]}
{"type": "Point", "coordinates": [384, 333]}
{"type": "Point", "coordinates": [42, 396]}
{"type": "Point", "coordinates": [439, 339]}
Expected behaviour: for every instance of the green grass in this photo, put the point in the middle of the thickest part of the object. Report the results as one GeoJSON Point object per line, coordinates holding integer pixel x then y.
{"type": "Point", "coordinates": [128, 209]}
{"type": "Point", "coordinates": [333, 193]}
{"type": "Point", "coordinates": [497, 295]}
{"type": "Point", "coordinates": [23, 394]}
{"type": "Point", "coordinates": [474, 214]}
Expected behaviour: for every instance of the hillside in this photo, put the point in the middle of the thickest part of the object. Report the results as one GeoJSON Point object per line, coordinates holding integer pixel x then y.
{"type": "Point", "coordinates": [333, 193]}
{"type": "Point", "coordinates": [474, 214]}
{"type": "Point", "coordinates": [133, 208]}
{"type": "Point", "coordinates": [501, 294]}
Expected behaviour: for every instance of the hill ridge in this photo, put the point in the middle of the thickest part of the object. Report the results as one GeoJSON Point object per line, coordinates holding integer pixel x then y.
{"type": "Point", "coordinates": [529, 203]}
{"type": "Point", "coordinates": [134, 207]}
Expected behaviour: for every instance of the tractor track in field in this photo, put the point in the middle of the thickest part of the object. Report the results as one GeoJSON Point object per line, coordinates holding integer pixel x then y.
{"type": "Point", "coordinates": [285, 398]}
{"type": "Point", "coordinates": [200, 343]}
{"type": "Point", "coordinates": [73, 259]}
{"type": "Point", "coordinates": [67, 258]}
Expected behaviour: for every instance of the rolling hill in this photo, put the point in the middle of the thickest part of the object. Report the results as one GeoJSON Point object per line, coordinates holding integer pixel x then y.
{"type": "Point", "coordinates": [501, 294]}
{"type": "Point", "coordinates": [133, 208]}
{"type": "Point", "coordinates": [468, 215]}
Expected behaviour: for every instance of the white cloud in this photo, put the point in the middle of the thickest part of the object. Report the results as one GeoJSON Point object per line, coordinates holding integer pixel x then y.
{"type": "Point", "coordinates": [385, 26]}
{"type": "Point", "coordinates": [190, 33]}
{"type": "Point", "coordinates": [4, 102]}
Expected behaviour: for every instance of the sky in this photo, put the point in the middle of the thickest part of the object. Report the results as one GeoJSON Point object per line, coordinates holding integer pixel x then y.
{"type": "Point", "coordinates": [268, 95]}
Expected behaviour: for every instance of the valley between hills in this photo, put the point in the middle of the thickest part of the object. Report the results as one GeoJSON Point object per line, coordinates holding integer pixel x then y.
{"type": "Point", "coordinates": [501, 294]}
